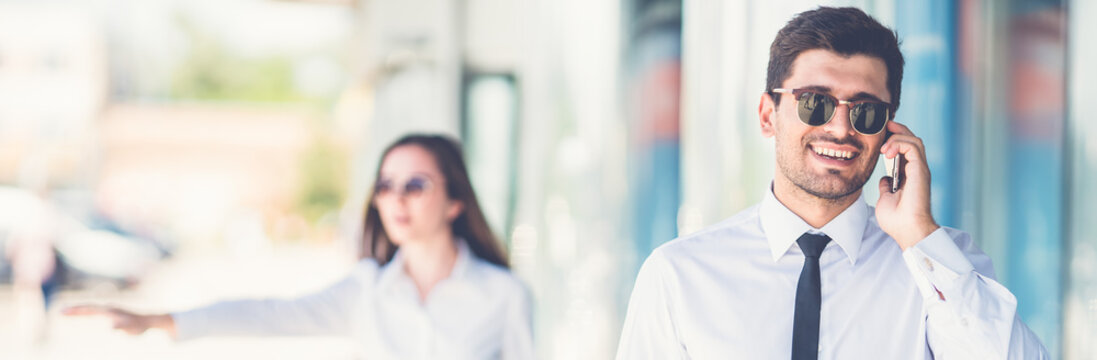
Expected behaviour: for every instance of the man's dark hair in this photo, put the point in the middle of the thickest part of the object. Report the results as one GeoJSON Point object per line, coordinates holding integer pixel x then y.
{"type": "Point", "coordinates": [847, 31]}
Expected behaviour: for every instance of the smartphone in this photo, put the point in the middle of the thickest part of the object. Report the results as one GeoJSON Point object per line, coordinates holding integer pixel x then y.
{"type": "Point", "coordinates": [892, 167]}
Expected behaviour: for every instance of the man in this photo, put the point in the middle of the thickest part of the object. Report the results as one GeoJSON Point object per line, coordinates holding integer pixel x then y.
{"type": "Point", "coordinates": [813, 272]}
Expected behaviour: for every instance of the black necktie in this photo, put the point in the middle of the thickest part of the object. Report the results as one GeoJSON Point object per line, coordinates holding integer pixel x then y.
{"type": "Point", "coordinates": [805, 321]}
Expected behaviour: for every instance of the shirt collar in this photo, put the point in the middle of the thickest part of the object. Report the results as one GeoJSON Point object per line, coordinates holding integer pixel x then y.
{"type": "Point", "coordinates": [394, 270]}
{"type": "Point", "coordinates": [782, 227]}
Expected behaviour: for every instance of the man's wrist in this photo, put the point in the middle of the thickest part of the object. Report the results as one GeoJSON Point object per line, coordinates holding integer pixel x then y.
{"type": "Point", "coordinates": [911, 238]}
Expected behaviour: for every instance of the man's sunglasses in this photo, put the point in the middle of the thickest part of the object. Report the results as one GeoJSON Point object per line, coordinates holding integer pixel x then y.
{"type": "Point", "coordinates": [816, 109]}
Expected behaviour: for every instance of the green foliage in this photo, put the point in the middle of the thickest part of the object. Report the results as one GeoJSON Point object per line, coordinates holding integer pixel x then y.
{"type": "Point", "coordinates": [212, 77]}
{"type": "Point", "coordinates": [323, 185]}
{"type": "Point", "coordinates": [212, 72]}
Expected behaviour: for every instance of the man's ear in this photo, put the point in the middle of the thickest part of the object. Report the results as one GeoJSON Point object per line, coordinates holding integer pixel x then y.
{"type": "Point", "coordinates": [767, 115]}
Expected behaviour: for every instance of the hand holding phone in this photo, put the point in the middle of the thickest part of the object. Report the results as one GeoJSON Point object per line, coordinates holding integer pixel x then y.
{"type": "Point", "coordinates": [906, 215]}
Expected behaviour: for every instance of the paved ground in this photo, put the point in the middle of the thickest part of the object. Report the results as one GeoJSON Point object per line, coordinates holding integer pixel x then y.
{"type": "Point", "coordinates": [185, 281]}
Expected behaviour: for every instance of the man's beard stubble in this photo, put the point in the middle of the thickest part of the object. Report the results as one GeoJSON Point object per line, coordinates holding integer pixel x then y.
{"type": "Point", "coordinates": [810, 184]}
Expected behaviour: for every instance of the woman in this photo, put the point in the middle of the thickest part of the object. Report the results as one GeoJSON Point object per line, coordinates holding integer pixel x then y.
{"type": "Point", "coordinates": [433, 281]}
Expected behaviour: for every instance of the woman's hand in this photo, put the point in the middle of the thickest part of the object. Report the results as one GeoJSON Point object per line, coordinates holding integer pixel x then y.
{"type": "Point", "coordinates": [131, 323]}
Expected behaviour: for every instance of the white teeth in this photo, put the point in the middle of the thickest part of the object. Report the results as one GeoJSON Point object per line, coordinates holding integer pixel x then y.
{"type": "Point", "coordinates": [834, 153]}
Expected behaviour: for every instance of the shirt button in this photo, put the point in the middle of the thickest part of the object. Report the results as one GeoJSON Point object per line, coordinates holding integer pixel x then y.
{"type": "Point", "coordinates": [929, 264]}
{"type": "Point", "coordinates": [963, 322]}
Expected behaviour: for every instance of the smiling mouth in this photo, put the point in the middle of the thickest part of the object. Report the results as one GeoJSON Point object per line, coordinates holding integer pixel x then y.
{"type": "Point", "coordinates": [834, 153]}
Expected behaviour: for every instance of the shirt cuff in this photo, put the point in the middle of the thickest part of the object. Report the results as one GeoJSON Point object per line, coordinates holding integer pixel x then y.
{"type": "Point", "coordinates": [188, 324]}
{"type": "Point", "coordinates": [936, 263]}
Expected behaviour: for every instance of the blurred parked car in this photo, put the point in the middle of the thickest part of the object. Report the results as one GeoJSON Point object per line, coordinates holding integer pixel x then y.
{"type": "Point", "coordinates": [91, 248]}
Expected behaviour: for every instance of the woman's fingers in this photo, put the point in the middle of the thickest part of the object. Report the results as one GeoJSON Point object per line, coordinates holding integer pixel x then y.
{"type": "Point", "coordinates": [85, 310]}
{"type": "Point", "coordinates": [126, 321]}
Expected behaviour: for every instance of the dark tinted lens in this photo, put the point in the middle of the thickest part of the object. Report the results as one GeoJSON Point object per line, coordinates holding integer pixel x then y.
{"type": "Point", "coordinates": [415, 186]}
{"type": "Point", "coordinates": [382, 187]}
{"type": "Point", "coordinates": [869, 118]}
{"type": "Point", "coordinates": [815, 109]}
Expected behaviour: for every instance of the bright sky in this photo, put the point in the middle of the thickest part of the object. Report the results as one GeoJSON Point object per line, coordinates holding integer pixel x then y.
{"type": "Point", "coordinates": [257, 27]}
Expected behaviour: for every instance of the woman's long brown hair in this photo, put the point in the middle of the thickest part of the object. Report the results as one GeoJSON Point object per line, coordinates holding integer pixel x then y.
{"type": "Point", "coordinates": [470, 225]}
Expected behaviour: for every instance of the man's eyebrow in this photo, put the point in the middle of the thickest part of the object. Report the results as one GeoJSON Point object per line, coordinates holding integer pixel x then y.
{"type": "Point", "coordinates": [865, 96]}
{"type": "Point", "coordinates": [817, 88]}
{"type": "Point", "coordinates": [861, 96]}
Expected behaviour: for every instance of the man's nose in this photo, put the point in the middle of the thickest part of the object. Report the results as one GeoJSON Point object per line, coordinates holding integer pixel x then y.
{"type": "Point", "coordinates": [839, 124]}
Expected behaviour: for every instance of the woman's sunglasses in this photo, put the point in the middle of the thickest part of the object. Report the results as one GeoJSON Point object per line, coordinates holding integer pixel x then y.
{"type": "Point", "coordinates": [412, 187]}
{"type": "Point", "coordinates": [816, 109]}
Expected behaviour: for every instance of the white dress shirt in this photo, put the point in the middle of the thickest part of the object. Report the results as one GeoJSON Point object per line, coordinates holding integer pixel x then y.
{"type": "Point", "coordinates": [728, 292]}
{"type": "Point", "coordinates": [481, 311]}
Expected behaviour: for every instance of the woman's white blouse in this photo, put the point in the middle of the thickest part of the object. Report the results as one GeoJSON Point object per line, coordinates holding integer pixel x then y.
{"type": "Point", "coordinates": [481, 311]}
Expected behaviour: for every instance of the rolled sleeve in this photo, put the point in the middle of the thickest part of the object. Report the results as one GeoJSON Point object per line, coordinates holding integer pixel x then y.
{"type": "Point", "coordinates": [968, 313]}
{"type": "Point", "coordinates": [326, 312]}
{"type": "Point", "coordinates": [937, 263]}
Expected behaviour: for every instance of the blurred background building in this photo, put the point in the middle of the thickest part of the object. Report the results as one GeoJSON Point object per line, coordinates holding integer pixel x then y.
{"type": "Point", "coordinates": [226, 147]}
